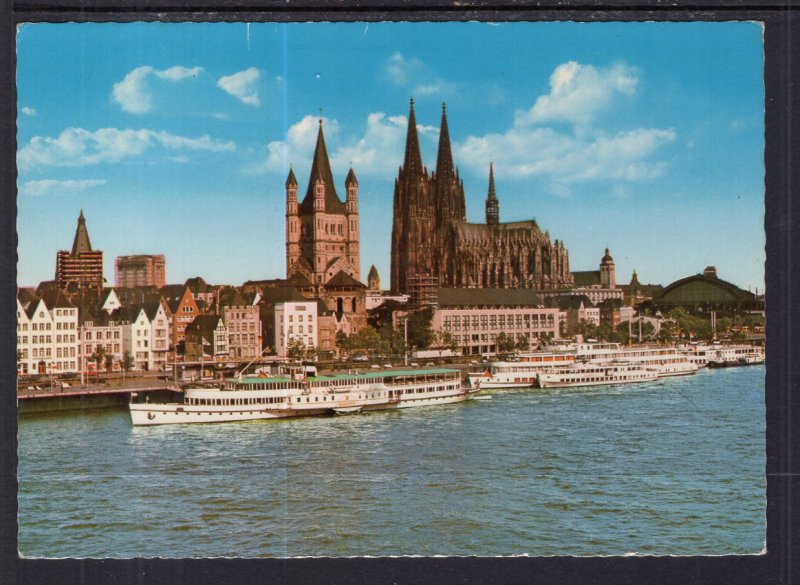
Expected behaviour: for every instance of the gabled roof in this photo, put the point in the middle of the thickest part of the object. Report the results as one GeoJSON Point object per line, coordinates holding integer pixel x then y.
{"type": "Point", "coordinates": [341, 279]}
{"type": "Point", "coordinates": [31, 309]}
{"type": "Point", "coordinates": [298, 280]}
{"type": "Point", "coordinates": [474, 231]}
{"type": "Point", "coordinates": [56, 299]}
{"type": "Point", "coordinates": [129, 313]}
{"type": "Point", "coordinates": [25, 295]}
{"type": "Point", "coordinates": [587, 278]}
{"type": "Point", "coordinates": [205, 324]}
{"type": "Point", "coordinates": [151, 309]}
{"type": "Point", "coordinates": [321, 169]}
{"type": "Point", "coordinates": [107, 292]}
{"type": "Point", "coordinates": [173, 295]}
{"type": "Point", "coordinates": [232, 297]}
{"type": "Point", "coordinates": [487, 297]}
{"type": "Point", "coordinates": [282, 294]}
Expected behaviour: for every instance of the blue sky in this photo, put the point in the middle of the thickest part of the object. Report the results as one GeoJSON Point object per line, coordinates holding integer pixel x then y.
{"type": "Point", "coordinates": [647, 138]}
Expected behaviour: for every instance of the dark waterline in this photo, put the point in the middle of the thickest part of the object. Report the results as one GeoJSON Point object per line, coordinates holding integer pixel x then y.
{"type": "Point", "coordinates": [670, 467]}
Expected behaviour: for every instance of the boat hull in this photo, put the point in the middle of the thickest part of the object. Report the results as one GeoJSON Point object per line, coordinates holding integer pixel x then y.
{"type": "Point", "coordinates": [168, 414]}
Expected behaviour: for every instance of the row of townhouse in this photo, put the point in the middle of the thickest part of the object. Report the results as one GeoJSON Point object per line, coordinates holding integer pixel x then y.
{"type": "Point", "coordinates": [47, 336]}
{"type": "Point", "coordinates": [62, 336]}
{"type": "Point", "coordinates": [59, 332]}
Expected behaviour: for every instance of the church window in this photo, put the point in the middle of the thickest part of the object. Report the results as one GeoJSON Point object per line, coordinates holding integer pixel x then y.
{"type": "Point", "coordinates": [354, 305]}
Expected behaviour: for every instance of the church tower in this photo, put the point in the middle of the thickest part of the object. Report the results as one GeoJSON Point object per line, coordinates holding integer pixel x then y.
{"type": "Point", "coordinates": [492, 204]}
{"type": "Point", "coordinates": [607, 276]}
{"type": "Point", "coordinates": [322, 232]}
{"type": "Point", "coordinates": [292, 221]}
{"type": "Point", "coordinates": [82, 267]}
{"type": "Point", "coordinates": [414, 215]}
{"type": "Point", "coordinates": [449, 199]}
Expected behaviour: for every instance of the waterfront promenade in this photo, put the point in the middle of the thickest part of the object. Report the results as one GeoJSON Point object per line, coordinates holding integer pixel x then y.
{"type": "Point", "coordinates": [127, 387]}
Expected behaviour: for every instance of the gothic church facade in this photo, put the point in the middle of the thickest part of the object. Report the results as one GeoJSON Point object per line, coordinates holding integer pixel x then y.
{"type": "Point", "coordinates": [432, 240]}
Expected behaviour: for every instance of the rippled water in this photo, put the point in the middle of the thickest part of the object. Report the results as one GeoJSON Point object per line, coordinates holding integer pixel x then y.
{"type": "Point", "coordinates": [670, 467]}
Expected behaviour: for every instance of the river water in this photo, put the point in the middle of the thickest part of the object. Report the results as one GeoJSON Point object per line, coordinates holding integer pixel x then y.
{"type": "Point", "coordinates": [669, 467]}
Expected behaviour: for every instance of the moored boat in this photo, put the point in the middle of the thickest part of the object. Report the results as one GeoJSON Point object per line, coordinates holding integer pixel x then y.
{"type": "Point", "coordinates": [588, 374]}
{"type": "Point", "coordinates": [266, 397]}
{"type": "Point", "coordinates": [518, 374]}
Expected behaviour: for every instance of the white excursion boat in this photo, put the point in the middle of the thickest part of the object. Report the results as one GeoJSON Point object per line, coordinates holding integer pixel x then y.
{"type": "Point", "coordinates": [718, 355]}
{"type": "Point", "coordinates": [587, 374]}
{"type": "Point", "coordinates": [523, 373]}
{"type": "Point", "coordinates": [265, 397]}
{"type": "Point", "coordinates": [736, 355]}
{"type": "Point", "coordinates": [518, 374]}
{"type": "Point", "coordinates": [668, 360]}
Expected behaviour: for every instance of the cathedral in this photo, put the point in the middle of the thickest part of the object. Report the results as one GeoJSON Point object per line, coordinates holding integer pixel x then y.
{"type": "Point", "coordinates": [433, 242]}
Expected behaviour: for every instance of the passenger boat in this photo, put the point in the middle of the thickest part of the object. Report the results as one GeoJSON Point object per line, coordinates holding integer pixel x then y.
{"type": "Point", "coordinates": [518, 374]}
{"type": "Point", "coordinates": [719, 355]}
{"type": "Point", "coordinates": [267, 397]}
{"type": "Point", "coordinates": [587, 374]}
{"type": "Point", "coordinates": [737, 355]}
{"type": "Point", "coordinates": [669, 361]}
{"type": "Point", "coordinates": [523, 373]}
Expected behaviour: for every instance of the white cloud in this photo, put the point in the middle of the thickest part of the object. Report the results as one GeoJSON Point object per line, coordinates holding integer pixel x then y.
{"type": "Point", "coordinates": [47, 186]}
{"type": "Point", "coordinates": [416, 76]}
{"type": "Point", "coordinates": [77, 146]}
{"type": "Point", "coordinates": [28, 111]}
{"type": "Point", "coordinates": [532, 148]}
{"type": "Point", "coordinates": [298, 148]}
{"type": "Point", "coordinates": [241, 85]}
{"type": "Point", "coordinates": [132, 93]}
{"type": "Point", "coordinates": [567, 158]}
{"type": "Point", "coordinates": [578, 92]}
{"type": "Point", "coordinates": [369, 154]}
{"type": "Point", "coordinates": [383, 138]}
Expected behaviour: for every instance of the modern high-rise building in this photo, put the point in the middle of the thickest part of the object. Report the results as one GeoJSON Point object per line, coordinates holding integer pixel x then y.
{"type": "Point", "coordinates": [81, 267]}
{"type": "Point", "coordinates": [140, 270]}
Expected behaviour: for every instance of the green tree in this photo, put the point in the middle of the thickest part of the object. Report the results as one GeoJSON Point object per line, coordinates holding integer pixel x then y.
{"type": "Point", "coordinates": [683, 322]}
{"type": "Point", "coordinates": [504, 343]}
{"type": "Point", "coordinates": [667, 332]}
{"type": "Point", "coordinates": [295, 349]}
{"type": "Point", "coordinates": [341, 340]}
{"type": "Point", "coordinates": [109, 362]}
{"type": "Point", "coordinates": [523, 343]}
{"type": "Point", "coordinates": [420, 333]}
{"type": "Point", "coordinates": [366, 341]}
{"type": "Point", "coordinates": [738, 337]}
{"type": "Point", "coordinates": [587, 329]}
{"type": "Point", "coordinates": [99, 356]}
{"type": "Point", "coordinates": [127, 361]}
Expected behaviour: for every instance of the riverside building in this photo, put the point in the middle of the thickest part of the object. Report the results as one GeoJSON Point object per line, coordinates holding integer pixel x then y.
{"type": "Point", "coordinates": [475, 317]}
